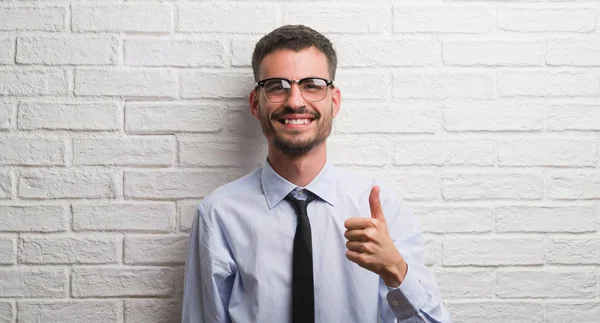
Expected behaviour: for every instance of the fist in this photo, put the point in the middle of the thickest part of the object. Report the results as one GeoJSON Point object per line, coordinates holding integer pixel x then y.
{"type": "Point", "coordinates": [370, 245]}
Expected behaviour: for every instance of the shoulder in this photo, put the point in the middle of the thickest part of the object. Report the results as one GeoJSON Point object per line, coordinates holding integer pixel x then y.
{"type": "Point", "coordinates": [233, 190]}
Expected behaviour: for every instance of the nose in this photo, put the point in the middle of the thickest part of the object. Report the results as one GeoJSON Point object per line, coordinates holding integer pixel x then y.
{"type": "Point", "coordinates": [295, 99]}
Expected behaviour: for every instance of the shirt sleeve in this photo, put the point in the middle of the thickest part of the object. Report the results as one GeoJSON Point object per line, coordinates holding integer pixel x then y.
{"type": "Point", "coordinates": [209, 275]}
{"type": "Point", "coordinates": [418, 298]}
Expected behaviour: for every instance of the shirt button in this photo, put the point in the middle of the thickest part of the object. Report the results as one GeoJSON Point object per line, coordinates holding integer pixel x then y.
{"type": "Point", "coordinates": [395, 303]}
{"type": "Point", "coordinates": [300, 192]}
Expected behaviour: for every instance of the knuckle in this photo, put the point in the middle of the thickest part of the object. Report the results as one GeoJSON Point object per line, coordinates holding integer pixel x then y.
{"type": "Point", "coordinates": [373, 222]}
{"type": "Point", "coordinates": [369, 234]}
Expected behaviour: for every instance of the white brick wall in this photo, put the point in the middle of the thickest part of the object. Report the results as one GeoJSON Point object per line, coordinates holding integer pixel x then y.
{"type": "Point", "coordinates": [117, 117]}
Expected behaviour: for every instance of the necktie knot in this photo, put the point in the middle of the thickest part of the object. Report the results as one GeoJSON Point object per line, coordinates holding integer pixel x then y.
{"type": "Point", "coordinates": [300, 206]}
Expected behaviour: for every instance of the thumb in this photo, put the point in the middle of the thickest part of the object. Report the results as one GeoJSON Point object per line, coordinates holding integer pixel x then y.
{"type": "Point", "coordinates": [375, 204]}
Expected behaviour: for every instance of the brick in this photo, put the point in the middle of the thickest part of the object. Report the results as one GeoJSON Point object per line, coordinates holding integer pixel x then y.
{"type": "Point", "coordinates": [574, 251]}
{"type": "Point", "coordinates": [129, 151]}
{"type": "Point", "coordinates": [122, 282]}
{"type": "Point", "coordinates": [571, 311]}
{"type": "Point", "coordinates": [547, 152]}
{"type": "Point", "coordinates": [466, 283]}
{"type": "Point", "coordinates": [55, 311]}
{"type": "Point", "coordinates": [242, 51]}
{"type": "Point", "coordinates": [56, 184]}
{"type": "Point", "coordinates": [7, 312]}
{"type": "Point", "coordinates": [573, 117]}
{"type": "Point", "coordinates": [561, 219]}
{"type": "Point", "coordinates": [497, 311]}
{"type": "Point", "coordinates": [411, 184]}
{"type": "Point", "coordinates": [248, 17]}
{"type": "Point", "coordinates": [479, 152]}
{"type": "Point", "coordinates": [7, 50]}
{"type": "Point", "coordinates": [144, 217]}
{"type": "Point", "coordinates": [6, 115]}
{"type": "Point", "coordinates": [153, 310]}
{"type": "Point", "coordinates": [61, 249]}
{"type": "Point", "coordinates": [200, 152]}
{"type": "Point", "coordinates": [368, 152]}
{"type": "Point", "coordinates": [187, 211]}
{"type": "Point", "coordinates": [443, 19]}
{"type": "Point", "coordinates": [174, 52]}
{"type": "Point", "coordinates": [436, 85]}
{"type": "Point", "coordinates": [179, 282]}
{"type": "Point", "coordinates": [155, 249]}
{"type": "Point", "coordinates": [455, 219]}
{"type": "Point", "coordinates": [171, 184]}
{"type": "Point", "coordinates": [492, 251]}
{"type": "Point", "coordinates": [574, 185]}
{"type": "Point", "coordinates": [200, 84]}
{"type": "Point", "coordinates": [33, 282]}
{"type": "Point", "coordinates": [363, 84]}
{"type": "Point", "coordinates": [547, 84]}
{"type": "Point", "coordinates": [573, 52]}
{"type": "Point", "coordinates": [23, 151]}
{"type": "Point", "coordinates": [70, 50]}
{"type": "Point", "coordinates": [32, 82]}
{"type": "Point", "coordinates": [333, 18]}
{"type": "Point", "coordinates": [130, 17]}
{"type": "Point", "coordinates": [33, 218]}
{"type": "Point", "coordinates": [5, 184]}
{"type": "Point", "coordinates": [562, 283]}
{"type": "Point", "coordinates": [357, 117]}
{"type": "Point", "coordinates": [241, 124]}
{"type": "Point", "coordinates": [164, 118]}
{"type": "Point", "coordinates": [155, 83]}
{"type": "Point", "coordinates": [32, 18]}
{"type": "Point", "coordinates": [494, 53]}
{"type": "Point", "coordinates": [90, 116]}
{"type": "Point", "coordinates": [547, 19]}
{"type": "Point", "coordinates": [492, 185]}
{"type": "Point", "coordinates": [494, 116]}
{"type": "Point", "coordinates": [367, 52]}
{"type": "Point", "coordinates": [8, 250]}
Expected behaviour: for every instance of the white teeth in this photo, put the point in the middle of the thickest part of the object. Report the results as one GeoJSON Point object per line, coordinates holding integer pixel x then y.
{"type": "Point", "coordinates": [296, 121]}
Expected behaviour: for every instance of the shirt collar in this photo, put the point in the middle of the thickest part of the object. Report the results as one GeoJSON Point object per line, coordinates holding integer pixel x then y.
{"type": "Point", "coordinates": [276, 187]}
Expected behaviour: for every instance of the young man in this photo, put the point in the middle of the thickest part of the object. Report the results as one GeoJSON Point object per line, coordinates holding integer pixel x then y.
{"type": "Point", "coordinates": [299, 240]}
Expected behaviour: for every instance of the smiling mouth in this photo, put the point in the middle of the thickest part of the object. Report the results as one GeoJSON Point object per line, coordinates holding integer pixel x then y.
{"type": "Point", "coordinates": [295, 121]}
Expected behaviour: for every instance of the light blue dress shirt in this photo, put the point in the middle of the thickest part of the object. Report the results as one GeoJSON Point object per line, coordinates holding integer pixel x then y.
{"type": "Point", "coordinates": [239, 261]}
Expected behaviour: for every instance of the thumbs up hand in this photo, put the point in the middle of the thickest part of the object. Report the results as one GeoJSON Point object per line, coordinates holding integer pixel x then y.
{"type": "Point", "coordinates": [370, 245]}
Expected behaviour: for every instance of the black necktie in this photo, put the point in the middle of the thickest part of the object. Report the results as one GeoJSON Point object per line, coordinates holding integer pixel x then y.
{"type": "Point", "coordinates": [303, 294]}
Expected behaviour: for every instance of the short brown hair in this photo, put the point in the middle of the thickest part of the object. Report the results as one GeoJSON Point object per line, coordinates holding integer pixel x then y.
{"type": "Point", "coordinates": [296, 38]}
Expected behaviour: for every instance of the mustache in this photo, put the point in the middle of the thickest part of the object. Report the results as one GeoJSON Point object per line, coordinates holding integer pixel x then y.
{"type": "Point", "coordinates": [289, 110]}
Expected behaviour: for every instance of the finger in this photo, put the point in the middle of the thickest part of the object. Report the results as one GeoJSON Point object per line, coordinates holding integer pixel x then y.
{"type": "Point", "coordinates": [355, 246]}
{"type": "Point", "coordinates": [355, 235]}
{"type": "Point", "coordinates": [375, 204]}
{"type": "Point", "coordinates": [353, 256]}
{"type": "Point", "coordinates": [358, 223]}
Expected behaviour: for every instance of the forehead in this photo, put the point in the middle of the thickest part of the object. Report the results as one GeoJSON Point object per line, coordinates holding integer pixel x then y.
{"type": "Point", "coordinates": [290, 64]}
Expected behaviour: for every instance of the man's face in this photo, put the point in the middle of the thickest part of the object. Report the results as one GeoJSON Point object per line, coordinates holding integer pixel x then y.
{"type": "Point", "coordinates": [282, 123]}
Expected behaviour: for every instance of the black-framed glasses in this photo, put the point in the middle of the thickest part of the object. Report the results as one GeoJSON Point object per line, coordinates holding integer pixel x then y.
{"type": "Point", "coordinates": [278, 89]}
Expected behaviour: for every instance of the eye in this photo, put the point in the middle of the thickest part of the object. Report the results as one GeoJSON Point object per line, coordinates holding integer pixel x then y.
{"type": "Point", "coordinates": [313, 85]}
{"type": "Point", "coordinates": [275, 86]}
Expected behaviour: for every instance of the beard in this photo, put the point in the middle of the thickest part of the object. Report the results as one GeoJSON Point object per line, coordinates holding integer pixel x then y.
{"type": "Point", "coordinates": [296, 143]}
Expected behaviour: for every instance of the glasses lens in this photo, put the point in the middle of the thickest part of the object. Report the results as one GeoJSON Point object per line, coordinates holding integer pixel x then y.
{"type": "Point", "coordinates": [313, 89]}
{"type": "Point", "coordinates": [277, 90]}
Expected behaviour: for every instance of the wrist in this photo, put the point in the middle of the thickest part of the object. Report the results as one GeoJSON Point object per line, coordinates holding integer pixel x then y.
{"type": "Point", "coordinates": [394, 275]}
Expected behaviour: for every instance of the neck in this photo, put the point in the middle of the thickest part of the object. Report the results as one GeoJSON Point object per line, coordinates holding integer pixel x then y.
{"type": "Point", "coordinates": [299, 170]}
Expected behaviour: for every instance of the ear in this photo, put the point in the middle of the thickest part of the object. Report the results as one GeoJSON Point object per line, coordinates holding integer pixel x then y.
{"type": "Point", "coordinates": [336, 100]}
{"type": "Point", "coordinates": [253, 102]}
